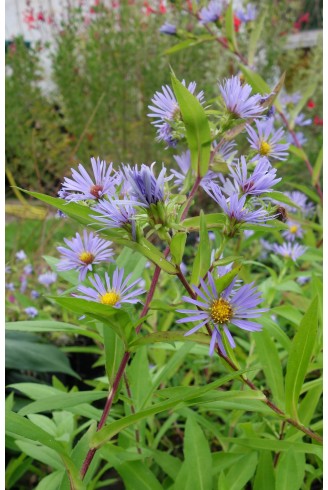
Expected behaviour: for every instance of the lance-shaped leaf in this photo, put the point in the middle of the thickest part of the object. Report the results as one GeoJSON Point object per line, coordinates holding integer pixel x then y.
{"type": "Point", "coordinates": [299, 357]}
{"type": "Point", "coordinates": [82, 214]}
{"type": "Point", "coordinates": [230, 27]}
{"type": "Point", "coordinates": [177, 246]}
{"type": "Point", "coordinates": [198, 132]}
{"type": "Point", "coordinates": [202, 260]}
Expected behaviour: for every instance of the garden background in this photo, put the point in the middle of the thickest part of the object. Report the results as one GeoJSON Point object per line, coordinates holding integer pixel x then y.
{"type": "Point", "coordinates": [79, 80]}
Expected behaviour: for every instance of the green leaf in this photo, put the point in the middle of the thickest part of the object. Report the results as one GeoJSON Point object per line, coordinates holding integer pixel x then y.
{"type": "Point", "coordinates": [317, 167]}
{"type": "Point", "coordinates": [215, 220]}
{"type": "Point", "coordinates": [137, 476]}
{"type": "Point", "coordinates": [223, 282]}
{"type": "Point", "coordinates": [26, 352]}
{"type": "Point", "coordinates": [114, 350]}
{"type": "Point", "coordinates": [290, 471]}
{"type": "Point", "coordinates": [82, 213]}
{"type": "Point", "coordinates": [255, 36]}
{"type": "Point", "coordinates": [20, 427]}
{"type": "Point", "coordinates": [106, 433]}
{"type": "Point", "coordinates": [16, 468]}
{"type": "Point", "coordinates": [41, 453]}
{"type": "Point", "coordinates": [230, 27]}
{"type": "Point", "coordinates": [299, 152]}
{"type": "Point", "coordinates": [197, 457]}
{"type": "Point", "coordinates": [276, 445]}
{"type": "Point", "coordinates": [202, 260]}
{"type": "Point", "coordinates": [299, 357]}
{"type": "Point", "coordinates": [188, 43]}
{"type": "Point", "coordinates": [198, 132]}
{"type": "Point", "coordinates": [177, 246]}
{"type": "Point", "coordinates": [279, 196]}
{"type": "Point", "coordinates": [260, 86]}
{"type": "Point", "coordinates": [51, 482]}
{"type": "Point", "coordinates": [271, 364]}
{"type": "Point", "coordinates": [239, 474]}
{"type": "Point", "coordinates": [49, 326]}
{"type": "Point", "coordinates": [65, 400]}
{"type": "Point", "coordinates": [264, 476]}
{"type": "Point", "coordinates": [172, 336]}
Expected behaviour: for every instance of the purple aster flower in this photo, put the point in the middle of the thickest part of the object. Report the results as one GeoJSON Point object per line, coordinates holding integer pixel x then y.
{"type": "Point", "coordinates": [35, 294]}
{"type": "Point", "coordinates": [169, 29]}
{"type": "Point", "coordinates": [7, 269]}
{"type": "Point", "coordinates": [294, 231]}
{"type": "Point", "coordinates": [271, 112]}
{"type": "Point", "coordinates": [294, 98]}
{"type": "Point", "coordinates": [234, 206]}
{"type": "Point", "coordinates": [47, 278]}
{"type": "Point", "coordinates": [212, 12]}
{"type": "Point", "coordinates": [23, 286]}
{"type": "Point", "coordinates": [166, 110]}
{"type": "Point", "coordinates": [301, 121]}
{"type": "Point", "coordinates": [81, 186]}
{"type": "Point", "coordinates": [146, 189]}
{"type": "Point", "coordinates": [226, 151]}
{"type": "Point", "coordinates": [31, 311]}
{"type": "Point", "coordinates": [261, 180]}
{"type": "Point", "coordinates": [21, 255]}
{"type": "Point", "coordinates": [232, 306]}
{"type": "Point", "coordinates": [300, 137]}
{"type": "Point", "coordinates": [301, 200]}
{"type": "Point", "coordinates": [114, 214]}
{"type": "Point", "coordinates": [249, 14]}
{"type": "Point", "coordinates": [301, 280]}
{"type": "Point", "coordinates": [184, 162]}
{"type": "Point", "coordinates": [83, 253]}
{"type": "Point", "coordinates": [111, 292]}
{"type": "Point", "coordinates": [10, 286]}
{"type": "Point", "coordinates": [289, 250]}
{"type": "Point", "coordinates": [28, 269]}
{"type": "Point", "coordinates": [238, 99]}
{"type": "Point", "coordinates": [265, 140]}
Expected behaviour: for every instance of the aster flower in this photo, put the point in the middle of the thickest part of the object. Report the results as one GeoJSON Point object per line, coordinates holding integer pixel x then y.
{"type": "Point", "coordinates": [47, 278]}
{"type": "Point", "coordinates": [23, 285]}
{"type": "Point", "coordinates": [114, 214]}
{"type": "Point", "coordinates": [300, 200]}
{"type": "Point", "coordinates": [226, 151]}
{"type": "Point", "coordinates": [145, 188]}
{"type": "Point", "coordinates": [21, 255]}
{"type": "Point", "coordinates": [238, 100]}
{"type": "Point", "coordinates": [212, 12]}
{"type": "Point", "coordinates": [234, 207]}
{"type": "Point", "coordinates": [294, 231]}
{"type": "Point", "coordinates": [301, 121]}
{"type": "Point", "coordinates": [184, 163]}
{"type": "Point", "coordinates": [294, 98]}
{"type": "Point", "coordinates": [289, 250]}
{"type": "Point", "coordinates": [169, 29]}
{"type": "Point", "coordinates": [10, 286]}
{"type": "Point", "coordinates": [82, 253]}
{"type": "Point", "coordinates": [28, 269]}
{"type": "Point", "coordinates": [300, 137]}
{"type": "Point", "coordinates": [232, 306]}
{"type": "Point", "coordinates": [260, 181]}
{"type": "Point", "coordinates": [249, 14]}
{"type": "Point", "coordinates": [111, 292]}
{"type": "Point", "coordinates": [81, 186]}
{"type": "Point", "coordinates": [265, 140]}
{"type": "Point", "coordinates": [301, 280]}
{"type": "Point", "coordinates": [31, 311]}
{"type": "Point", "coordinates": [166, 110]}
{"type": "Point", "coordinates": [35, 294]}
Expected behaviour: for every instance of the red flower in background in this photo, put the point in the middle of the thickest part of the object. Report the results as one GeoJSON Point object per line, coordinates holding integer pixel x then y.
{"type": "Point", "coordinates": [29, 18]}
{"type": "Point", "coordinates": [317, 121]}
{"type": "Point", "coordinates": [162, 8]}
{"type": "Point", "coordinates": [149, 9]}
{"type": "Point", "coordinates": [303, 19]}
{"type": "Point", "coordinates": [310, 104]}
{"type": "Point", "coordinates": [236, 23]}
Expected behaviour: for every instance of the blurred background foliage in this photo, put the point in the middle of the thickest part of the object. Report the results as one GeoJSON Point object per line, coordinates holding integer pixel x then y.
{"type": "Point", "coordinates": [104, 73]}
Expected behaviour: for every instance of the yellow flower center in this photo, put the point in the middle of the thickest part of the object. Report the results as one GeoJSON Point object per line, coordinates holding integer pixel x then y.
{"type": "Point", "coordinates": [110, 298]}
{"type": "Point", "coordinates": [221, 311]}
{"type": "Point", "coordinates": [265, 148]}
{"type": "Point", "coordinates": [86, 257]}
{"type": "Point", "coordinates": [293, 228]}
